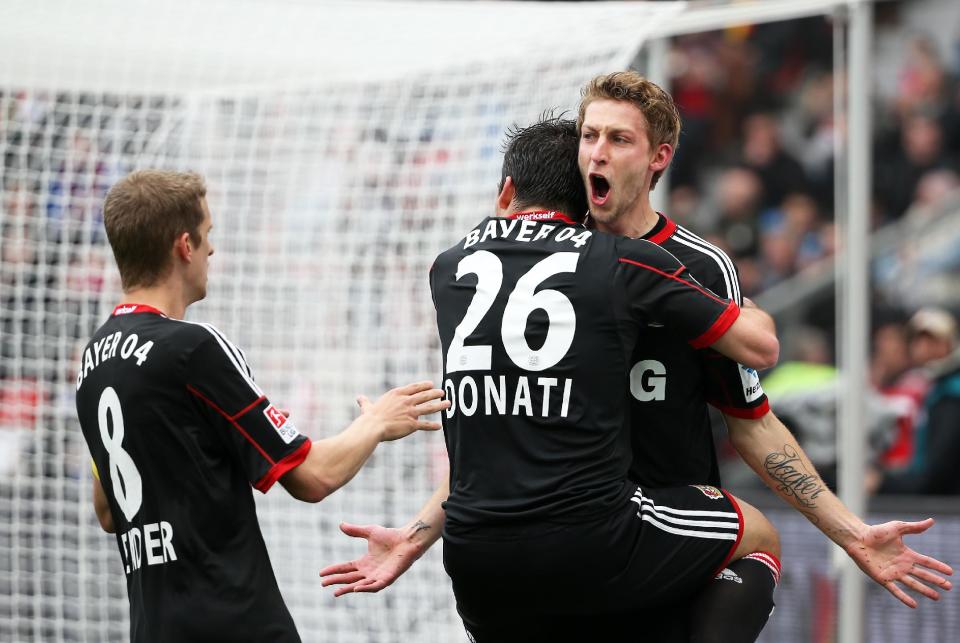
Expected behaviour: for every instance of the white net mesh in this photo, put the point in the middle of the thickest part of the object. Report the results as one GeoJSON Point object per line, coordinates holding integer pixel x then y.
{"type": "Point", "coordinates": [330, 196]}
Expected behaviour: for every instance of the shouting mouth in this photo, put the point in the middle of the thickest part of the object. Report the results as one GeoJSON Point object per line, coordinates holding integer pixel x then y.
{"type": "Point", "coordinates": [599, 189]}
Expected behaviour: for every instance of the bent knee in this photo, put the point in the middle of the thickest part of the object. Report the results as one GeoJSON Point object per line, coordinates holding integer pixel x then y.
{"type": "Point", "coordinates": [759, 534]}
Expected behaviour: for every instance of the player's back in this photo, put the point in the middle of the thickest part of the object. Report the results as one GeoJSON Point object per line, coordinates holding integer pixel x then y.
{"type": "Point", "coordinates": [156, 414]}
{"type": "Point", "coordinates": [537, 320]}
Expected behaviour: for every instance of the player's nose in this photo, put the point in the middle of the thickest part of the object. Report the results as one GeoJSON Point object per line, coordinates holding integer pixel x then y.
{"type": "Point", "coordinates": [599, 152]}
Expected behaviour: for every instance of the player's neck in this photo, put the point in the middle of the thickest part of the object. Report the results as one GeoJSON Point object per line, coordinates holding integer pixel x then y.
{"type": "Point", "coordinates": [166, 297]}
{"type": "Point", "coordinates": [635, 223]}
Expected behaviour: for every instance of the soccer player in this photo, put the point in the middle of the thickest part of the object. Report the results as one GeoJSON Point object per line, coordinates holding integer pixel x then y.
{"type": "Point", "coordinates": [670, 382]}
{"type": "Point", "coordinates": [179, 431]}
{"type": "Point", "coordinates": [537, 318]}
{"type": "Point", "coordinates": [629, 128]}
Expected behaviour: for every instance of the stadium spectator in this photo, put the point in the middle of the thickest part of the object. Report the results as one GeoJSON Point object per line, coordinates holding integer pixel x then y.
{"type": "Point", "coordinates": [902, 386]}
{"type": "Point", "coordinates": [694, 90]}
{"type": "Point", "coordinates": [897, 175]}
{"type": "Point", "coordinates": [739, 197]}
{"type": "Point", "coordinates": [934, 186]}
{"type": "Point", "coordinates": [779, 249]}
{"type": "Point", "coordinates": [923, 83]}
{"type": "Point", "coordinates": [936, 448]}
{"type": "Point", "coordinates": [779, 172]}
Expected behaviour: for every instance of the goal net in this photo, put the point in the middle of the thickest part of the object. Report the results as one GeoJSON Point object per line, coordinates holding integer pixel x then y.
{"type": "Point", "coordinates": [344, 146]}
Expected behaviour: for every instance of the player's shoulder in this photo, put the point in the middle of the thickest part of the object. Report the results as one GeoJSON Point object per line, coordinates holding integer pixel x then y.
{"type": "Point", "coordinates": [460, 248]}
{"type": "Point", "coordinates": [694, 250]}
{"type": "Point", "coordinates": [189, 336]}
{"type": "Point", "coordinates": [445, 261]}
{"type": "Point", "coordinates": [646, 254]}
{"type": "Point", "coordinates": [710, 264]}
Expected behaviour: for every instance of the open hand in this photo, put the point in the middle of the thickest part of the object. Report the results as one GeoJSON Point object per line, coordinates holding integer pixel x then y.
{"type": "Point", "coordinates": [882, 556]}
{"type": "Point", "coordinates": [399, 409]}
{"type": "Point", "coordinates": [389, 554]}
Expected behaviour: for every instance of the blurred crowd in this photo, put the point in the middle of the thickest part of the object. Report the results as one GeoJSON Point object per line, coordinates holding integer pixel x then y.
{"type": "Point", "coordinates": [61, 152]}
{"type": "Point", "coordinates": [754, 171]}
{"type": "Point", "coordinates": [912, 419]}
{"type": "Point", "coordinates": [754, 174]}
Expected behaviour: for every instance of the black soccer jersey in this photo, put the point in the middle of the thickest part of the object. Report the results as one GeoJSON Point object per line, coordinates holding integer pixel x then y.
{"type": "Point", "coordinates": [179, 431]}
{"type": "Point", "coordinates": [537, 319]}
{"type": "Point", "coordinates": [671, 382]}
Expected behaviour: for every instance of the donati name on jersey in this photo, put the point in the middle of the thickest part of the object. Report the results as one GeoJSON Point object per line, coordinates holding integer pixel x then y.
{"type": "Point", "coordinates": [495, 395]}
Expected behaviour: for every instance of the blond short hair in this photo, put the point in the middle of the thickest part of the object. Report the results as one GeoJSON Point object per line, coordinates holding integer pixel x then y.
{"type": "Point", "coordinates": [654, 103]}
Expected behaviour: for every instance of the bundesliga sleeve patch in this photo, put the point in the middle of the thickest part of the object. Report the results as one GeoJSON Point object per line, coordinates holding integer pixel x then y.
{"type": "Point", "coordinates": [710, 492]}
{"type": "Point", "coordinates": [751, 383]}
{"type": "Point", "coordinates": [283, 426]}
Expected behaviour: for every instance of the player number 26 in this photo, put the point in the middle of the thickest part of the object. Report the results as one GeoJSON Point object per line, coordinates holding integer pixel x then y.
{"type": "Point", "coordinates": [124, 475]}
{"type": "Point", "coordinates": [522, 301]}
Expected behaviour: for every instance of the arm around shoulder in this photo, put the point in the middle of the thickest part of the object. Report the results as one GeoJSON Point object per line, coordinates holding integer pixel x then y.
{"type": "Point", "coordinates": [750, 340]}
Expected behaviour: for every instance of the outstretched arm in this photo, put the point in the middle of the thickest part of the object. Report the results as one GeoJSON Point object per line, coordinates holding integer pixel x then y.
{"type": "Point", "coordinates": [390, 552]}
{"type": "Point", "coordinates": [333, 462]}
{"type": "Point", "coordinates": [771, 450]}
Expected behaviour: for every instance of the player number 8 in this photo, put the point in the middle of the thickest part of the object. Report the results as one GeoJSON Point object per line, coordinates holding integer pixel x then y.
{"type": "Point", "coordinates": [127, 485]}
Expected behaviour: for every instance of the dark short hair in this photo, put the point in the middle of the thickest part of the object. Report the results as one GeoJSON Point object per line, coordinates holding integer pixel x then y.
{"type": "Point", "coordinates": [542, 160]}
{"type": "Point", "coordinates": [144, 213]}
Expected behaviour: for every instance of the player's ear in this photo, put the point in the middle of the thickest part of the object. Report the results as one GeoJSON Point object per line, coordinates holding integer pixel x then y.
{"type": "Point", "coordinates": [661, 157]}
{"type": "Point", "coordinates": [182, 247]}
{"type": "Point", "coordinates": [505, 198]}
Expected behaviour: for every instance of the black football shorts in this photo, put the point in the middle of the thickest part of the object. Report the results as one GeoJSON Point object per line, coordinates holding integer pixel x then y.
{"type": "Point", "coordinates": [556, 581]}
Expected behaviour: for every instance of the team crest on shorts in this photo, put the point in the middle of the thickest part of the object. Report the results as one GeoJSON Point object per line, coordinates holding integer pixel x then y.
{"type": "Point", "coordinates": [710, 492]}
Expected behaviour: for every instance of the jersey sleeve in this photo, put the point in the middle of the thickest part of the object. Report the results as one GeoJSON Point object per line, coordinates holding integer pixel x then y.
{"type": "Point", "coordinates": [660, 289]}
{"type": "Point", "coordinates": [266, 443]}
{"type": "Point", "coordinates": [731, 388]}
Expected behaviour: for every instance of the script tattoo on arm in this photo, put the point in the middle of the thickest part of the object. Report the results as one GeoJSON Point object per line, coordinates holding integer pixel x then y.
{"type": "Point", "coordinates": [793, 479]}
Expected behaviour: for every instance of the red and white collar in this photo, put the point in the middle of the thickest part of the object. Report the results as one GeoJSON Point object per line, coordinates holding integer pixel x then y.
{"type": "Point", "coordinates": [132, 309]}
{"type": "Point", "coordinates": [542, 215]}
{"type": "Point", "coordinates": [665, 232]}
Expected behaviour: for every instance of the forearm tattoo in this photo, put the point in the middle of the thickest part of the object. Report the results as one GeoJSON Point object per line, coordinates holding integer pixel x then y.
{"type": "Point", "coordinates": [420, 526]}
{"type": "Point", "coordinates": [793, 479]}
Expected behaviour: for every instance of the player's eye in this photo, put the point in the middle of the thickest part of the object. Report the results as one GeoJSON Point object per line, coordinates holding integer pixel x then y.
{"type": "Point", "coordinates": [588, 136]}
